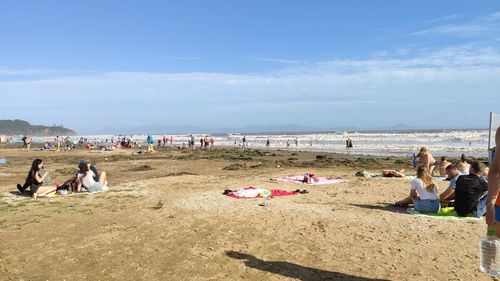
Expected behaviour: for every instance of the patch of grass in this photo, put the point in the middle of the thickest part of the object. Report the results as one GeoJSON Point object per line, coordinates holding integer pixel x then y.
{"type": "Point", "coordinates": [179, 174]}
{"type": "Point", "coordinates": [322, 158]}
{"type": "Point", "coordinates": [142, 168]}
{"type": "Point", "coordinates": [234, 167]}
{"type": "Point", "coordinates": [240, 158]}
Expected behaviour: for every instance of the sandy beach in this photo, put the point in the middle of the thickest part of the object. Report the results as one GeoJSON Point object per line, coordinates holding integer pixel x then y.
{"type": "Point", "coordinates": [165, 218]}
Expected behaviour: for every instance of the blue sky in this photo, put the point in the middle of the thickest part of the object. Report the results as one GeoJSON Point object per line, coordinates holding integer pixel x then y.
{"type": "Point", "coordinates": [98, 64]}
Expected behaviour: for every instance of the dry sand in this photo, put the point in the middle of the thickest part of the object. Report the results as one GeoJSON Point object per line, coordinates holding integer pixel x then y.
{"type": "Point", "coordinates": [165, 218]}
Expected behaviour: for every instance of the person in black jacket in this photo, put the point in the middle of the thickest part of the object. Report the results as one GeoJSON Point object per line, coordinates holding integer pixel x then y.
{"type": "Point", "coordinates": [471, 191]}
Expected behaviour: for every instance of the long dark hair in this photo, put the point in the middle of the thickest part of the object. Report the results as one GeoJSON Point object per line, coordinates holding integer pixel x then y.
{"type": "Point", "coordinates": [34, 169]}
{"type": "Point", "coordinates": [84, 168]}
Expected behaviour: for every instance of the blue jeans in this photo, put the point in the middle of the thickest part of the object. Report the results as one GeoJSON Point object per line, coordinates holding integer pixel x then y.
{"type": "Point", "coordinates": [481, 207]}
{"type": "Point", "coordinates": [427, 205]}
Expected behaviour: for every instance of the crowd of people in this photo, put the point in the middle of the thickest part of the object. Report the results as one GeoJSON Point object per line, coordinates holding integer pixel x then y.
{"type": "Point", "coordinates": [467, 190]}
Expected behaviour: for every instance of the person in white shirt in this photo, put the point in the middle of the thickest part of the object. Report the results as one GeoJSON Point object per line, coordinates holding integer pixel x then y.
{"type": "Point", "coordinates": [423, 193]}
{"type": "Point", "coordinates": [86, 179]}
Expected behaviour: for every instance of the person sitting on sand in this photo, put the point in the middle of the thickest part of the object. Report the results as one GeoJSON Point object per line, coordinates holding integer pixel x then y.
{"type": "Point", "coordinates": [86, 179]}
{"type": "Point", "coordinates": [423, 193]}
{"type": "Point", "coordinates": [442, 166]}
{"type": "Point", "coordinates": [471, 192]}
{"type": "Point", "coordinates": [426, 160]}
{"type": "Point", "coordinates": [393, 173]}
{"type": "Point", "coordinates": [309, 178]}
{"type": "Point", "coordinates": [37, 180]}
{"type": "Point", "coordinates": [452, 173]}
{"type": "Point", "coordinates": [463, 166]}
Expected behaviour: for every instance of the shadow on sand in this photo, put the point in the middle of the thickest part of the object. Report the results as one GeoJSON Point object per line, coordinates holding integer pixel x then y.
{"type": "Point", "coordinates": [382, 207]}
{"type": "Point", "coordinates": [292, 270]}
{"type": "Point", "coordinates": [19, 194]}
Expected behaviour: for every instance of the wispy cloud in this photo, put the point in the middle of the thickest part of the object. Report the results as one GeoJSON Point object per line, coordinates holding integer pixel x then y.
{"type": "Point", "coordinates": [4, 71]}
{"type": "Point", "coordinates": [476, 27]}
{"type": "Point", "coordinates": [279, 60]}
{"type": "Point", "coordinates": [456, 29]}
{"type": "Point", "coordinates": [441, 19]}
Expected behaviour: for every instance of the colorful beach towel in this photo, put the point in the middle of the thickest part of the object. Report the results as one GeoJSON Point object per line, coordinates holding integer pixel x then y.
{"type": "Point", "coordinates": [255, 192]}
{"type": "Point", "coordinates": [320, 180]}
{"type": "Point", "coordinates": [444, 213]}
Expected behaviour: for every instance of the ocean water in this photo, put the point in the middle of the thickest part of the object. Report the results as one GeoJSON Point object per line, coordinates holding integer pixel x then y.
{"type": "Point", "coordinates": [440, 142]}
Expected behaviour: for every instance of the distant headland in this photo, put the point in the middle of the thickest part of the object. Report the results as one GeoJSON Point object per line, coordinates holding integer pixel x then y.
{"type": "Point", "coordinates": [20, 127]}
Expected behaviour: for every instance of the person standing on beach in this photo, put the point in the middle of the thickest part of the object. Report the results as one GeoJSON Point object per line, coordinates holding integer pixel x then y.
{"type": "Point", "coordinates": [150, 143]}
{"type": "Point", "coordinates": [244, 141]}
{"type": "Point", "coordinates": [493, 207]}
{"type": "Point", "coordinates": [27, 142]}
{"type": "Point", "coordinates": [426, 160]}
{"type": "Point", "coordinates": [191, 143]}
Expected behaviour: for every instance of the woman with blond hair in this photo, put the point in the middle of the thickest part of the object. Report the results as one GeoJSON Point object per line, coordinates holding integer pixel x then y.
{"type": "Point", "coordinates": [426, 160]}
{"type": "Point", "coordinates": [423, 193]}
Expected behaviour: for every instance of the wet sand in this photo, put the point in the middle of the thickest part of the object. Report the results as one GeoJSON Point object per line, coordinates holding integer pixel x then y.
{"type": "Point", "coordinates": [165, 218]}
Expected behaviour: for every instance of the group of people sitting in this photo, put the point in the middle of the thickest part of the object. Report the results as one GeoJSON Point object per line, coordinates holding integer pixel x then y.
{"type": "Point", "coordinates": [39, 182]}
{"type": "Point", "coordinates": [466, 192]}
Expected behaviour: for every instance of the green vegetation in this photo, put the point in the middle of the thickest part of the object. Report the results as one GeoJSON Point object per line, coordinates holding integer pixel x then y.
{"type": "Point", "coordinates": [20, 127]}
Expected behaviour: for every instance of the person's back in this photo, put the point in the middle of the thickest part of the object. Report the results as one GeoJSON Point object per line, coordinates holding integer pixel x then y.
{"type": "Point", "coordinates": [470, 191]}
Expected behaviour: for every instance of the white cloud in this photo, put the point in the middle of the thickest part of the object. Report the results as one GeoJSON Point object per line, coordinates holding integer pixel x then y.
{"type": "Point", "coordinates": [477, 27]}
{"type": "Point", "coordinates": [441, 19]}
{"type": "Point", "coordinates": [279, 60]}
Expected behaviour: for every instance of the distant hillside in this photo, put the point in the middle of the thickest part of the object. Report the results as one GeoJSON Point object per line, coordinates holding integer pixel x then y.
{"type": "Point", "coordinates": [20, 127]}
